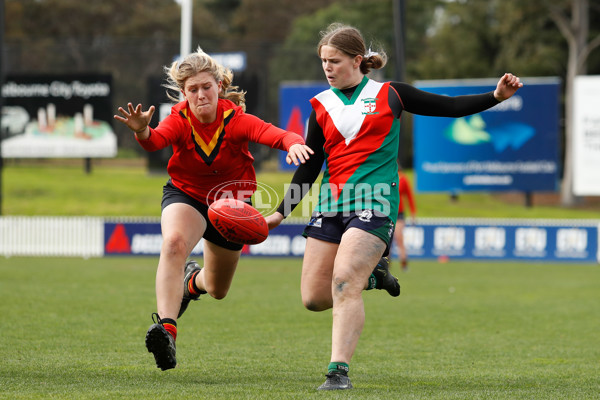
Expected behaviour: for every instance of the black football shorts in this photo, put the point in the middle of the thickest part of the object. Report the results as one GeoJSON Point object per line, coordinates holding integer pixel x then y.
{"type": "Point", "coordinates": [172, 194]}
{"type": "Point", "coordinates": [331, 226]}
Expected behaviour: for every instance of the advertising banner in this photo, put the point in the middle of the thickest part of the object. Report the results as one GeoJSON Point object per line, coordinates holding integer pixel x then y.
{"type": "Point", "coordinates": [58, 116]}
{"type": "Point", "coordinates": [574, 243]}
{"type": "Point", "coordinates": [431, 239]}
{"type": "Point", "coordinates": [145, 239]}
{"type": "Point", "coordinates": [510, 147]}
{"type": "Point", "coordinates": [295, 109]}
{"type": "Point", "coordinates": [136, 238]}
{"type": "Point", "coordinates": [586, 136]}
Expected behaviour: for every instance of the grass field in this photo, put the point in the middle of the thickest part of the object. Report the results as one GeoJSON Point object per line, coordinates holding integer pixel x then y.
{"type": "Point", "coordinates": [74, 329]}
{"type": "Point", "coordinates": [124, 188]}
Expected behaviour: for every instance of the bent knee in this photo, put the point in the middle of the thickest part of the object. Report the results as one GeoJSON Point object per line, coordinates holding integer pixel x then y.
{"type": "Point", "coordinates": [317, 304]}
{"type": "Point", "coordinates": [347, 287]}
{"type": "Point", "coordinates": [174, 244]}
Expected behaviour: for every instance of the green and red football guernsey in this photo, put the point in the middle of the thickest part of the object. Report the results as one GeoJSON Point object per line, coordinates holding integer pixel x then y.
{"type": "Point", "coordinates": [361, 146]}
{"type": "Point", "coordinates": [356, 132]}
{"type": "Point", "coordinates": [212, 159]}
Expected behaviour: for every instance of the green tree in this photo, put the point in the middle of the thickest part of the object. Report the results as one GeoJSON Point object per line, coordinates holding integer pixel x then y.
{"type": "Point", "coordinates": [297, 58]}
{"type": "Point", "coordinates": [533, 38]}
{"type": "Point", "coordinates": [480, 39]}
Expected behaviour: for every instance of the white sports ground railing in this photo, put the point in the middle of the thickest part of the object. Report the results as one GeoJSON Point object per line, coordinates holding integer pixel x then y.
{"type": "Point", "coordinates": [52, 236]}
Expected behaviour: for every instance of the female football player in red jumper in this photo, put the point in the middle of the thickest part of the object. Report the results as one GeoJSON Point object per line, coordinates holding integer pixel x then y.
{"type": "Point", "coordinates": [209, 132]}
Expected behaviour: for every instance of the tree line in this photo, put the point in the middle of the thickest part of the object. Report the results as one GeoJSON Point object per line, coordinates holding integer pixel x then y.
{"type": "Point", "coordinates": [444, 39]}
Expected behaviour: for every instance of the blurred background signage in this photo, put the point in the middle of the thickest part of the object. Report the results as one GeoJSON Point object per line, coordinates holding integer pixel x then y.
{"type": "Point", "coordinates": [513, 146]}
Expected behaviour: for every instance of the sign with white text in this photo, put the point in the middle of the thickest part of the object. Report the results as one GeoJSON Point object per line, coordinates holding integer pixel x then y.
{"type": "Point", "coordinates": [512, 146]}
{"type": "Point", "coordinates": [586, 136]}
{"type": "Point", "coordinates": [58, 116]}
{"type": "Point", "coordinates": [430, 239]}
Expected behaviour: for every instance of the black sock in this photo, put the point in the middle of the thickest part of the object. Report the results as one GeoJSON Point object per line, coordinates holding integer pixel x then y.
{"type": "Point", "coordinates": [195, 289]}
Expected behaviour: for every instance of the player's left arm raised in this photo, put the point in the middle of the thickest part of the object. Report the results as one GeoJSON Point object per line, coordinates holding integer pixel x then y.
{"type": "Point", "coordinates": [507, 86]}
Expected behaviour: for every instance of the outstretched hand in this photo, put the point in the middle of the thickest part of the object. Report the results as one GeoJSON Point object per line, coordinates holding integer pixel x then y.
{"type": "Point", "coordinates": [298, 153]}
{"type": "Point", "coordinates": [507, 86]}
{"type": "Point", "coordinates": [136, 119]}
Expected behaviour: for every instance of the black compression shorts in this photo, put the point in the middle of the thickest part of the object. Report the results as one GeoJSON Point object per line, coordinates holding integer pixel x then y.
{"type": "Point", "coordinates": [171, 195]}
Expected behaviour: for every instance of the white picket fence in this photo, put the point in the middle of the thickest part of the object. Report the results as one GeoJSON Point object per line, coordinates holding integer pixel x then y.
{"type": "Point", "coordinates": [52, 236]}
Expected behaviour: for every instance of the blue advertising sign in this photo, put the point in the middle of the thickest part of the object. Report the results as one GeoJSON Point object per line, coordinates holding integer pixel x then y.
{"type": "Point", "coordinates": [510, 147]}
{"type": "Point", "coordinates": [295, 109]}
{"type": "Point", "coordinates": [536, 242]}
{"type": "Point", "coordinates": [500, 240]}
{"type": "Point", "coordinates": [136, 238]}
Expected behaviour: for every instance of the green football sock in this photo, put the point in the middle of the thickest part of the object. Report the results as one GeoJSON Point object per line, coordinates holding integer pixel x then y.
{"type": "Point", "coordinates": [339, 367]}
{"type": "Point", "coordinates": [372, 283]}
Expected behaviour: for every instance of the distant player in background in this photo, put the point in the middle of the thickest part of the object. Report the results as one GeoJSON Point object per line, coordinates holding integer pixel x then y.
{"type": "Point", "coordinates": [209, 132]}
{"type": "Point", "coordinates": [405, 191]}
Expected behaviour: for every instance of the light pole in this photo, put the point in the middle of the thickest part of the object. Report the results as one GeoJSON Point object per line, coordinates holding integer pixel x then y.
{"type": "Point", "coordinates": [399, 12]}
{"type": "Point", "coordinates": [186, 28]}
{"type": "Point", "coordinates": [1, 96]}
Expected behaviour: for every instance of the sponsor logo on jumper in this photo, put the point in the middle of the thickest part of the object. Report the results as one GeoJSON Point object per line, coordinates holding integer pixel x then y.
{"type": "Point", "coordinates": [369, 106]}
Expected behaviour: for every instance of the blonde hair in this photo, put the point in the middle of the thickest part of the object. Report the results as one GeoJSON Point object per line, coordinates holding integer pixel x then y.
{"type": "Point", "coordinates": [198, 62]}
{"type": "Point", "coordinates": [349, 40]}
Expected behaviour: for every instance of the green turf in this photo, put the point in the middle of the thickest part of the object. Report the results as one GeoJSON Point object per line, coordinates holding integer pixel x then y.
{"type": "Point", "coordinates": [74, 329]}
{"type": "Point", "coordinates": [124, 188]}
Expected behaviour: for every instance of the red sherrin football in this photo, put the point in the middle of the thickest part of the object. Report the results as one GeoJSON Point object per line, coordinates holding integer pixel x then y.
{"type": "Point", "coordinates": [238, 222]}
